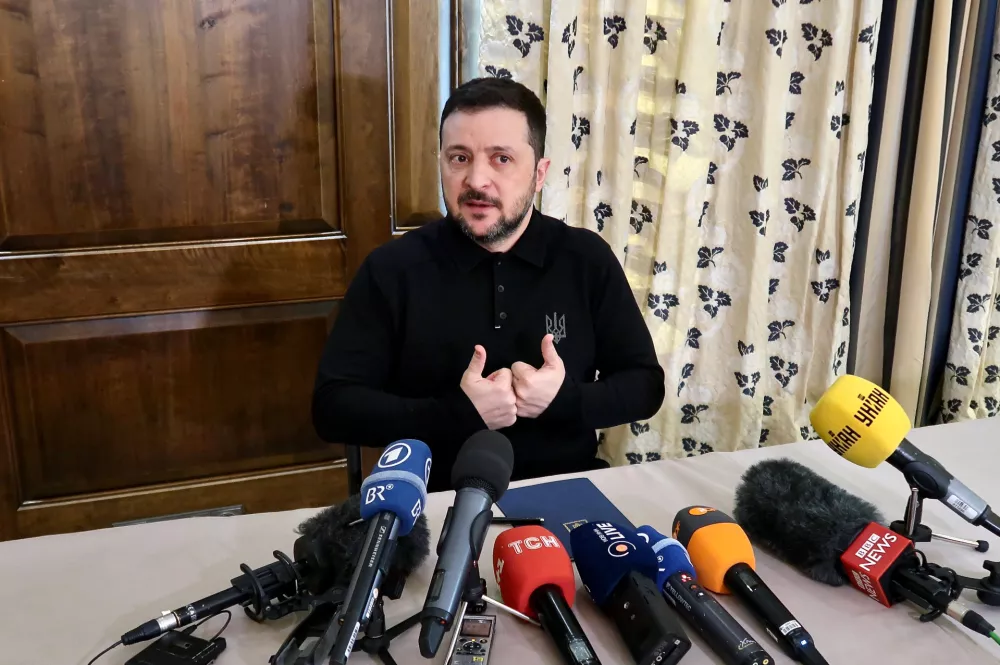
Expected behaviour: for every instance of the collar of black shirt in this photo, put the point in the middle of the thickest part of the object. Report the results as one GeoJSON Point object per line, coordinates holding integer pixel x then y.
{"type": "Point", "coordinates": [531, 246]}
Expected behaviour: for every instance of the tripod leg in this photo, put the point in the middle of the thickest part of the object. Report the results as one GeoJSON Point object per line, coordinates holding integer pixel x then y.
{"type": "Point", "coordinates": [386, 657]}
{"type": "Point", "coordinates": [402, 627]}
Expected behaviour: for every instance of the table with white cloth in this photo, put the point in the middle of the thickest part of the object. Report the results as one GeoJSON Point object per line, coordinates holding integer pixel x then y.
{"type": "Point", "coordinates": [66, 597]}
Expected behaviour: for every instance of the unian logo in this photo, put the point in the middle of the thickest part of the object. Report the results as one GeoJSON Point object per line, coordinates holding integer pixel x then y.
{"type": "Point", "coordinates": [618, 546]}
{"type": "Point", "coordinates": [871, 405]}
{"type": "Point", "coordinates": [394, 455]}
{"type": "Point", "coordinates": [555, 325]}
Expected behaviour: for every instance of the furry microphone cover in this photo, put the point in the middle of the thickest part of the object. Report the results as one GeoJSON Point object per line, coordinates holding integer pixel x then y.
{"type": "Point", "coordinates": [801, 517]}
{"type": "Point", "coordinates": [337, 535]}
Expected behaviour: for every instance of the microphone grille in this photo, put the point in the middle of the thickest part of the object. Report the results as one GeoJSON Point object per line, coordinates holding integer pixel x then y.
{"type": "Point", "coordinates": [486, 460]}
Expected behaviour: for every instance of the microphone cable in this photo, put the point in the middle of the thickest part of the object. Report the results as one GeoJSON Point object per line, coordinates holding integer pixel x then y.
{"type": "Point", "coordinates": [187, 631]}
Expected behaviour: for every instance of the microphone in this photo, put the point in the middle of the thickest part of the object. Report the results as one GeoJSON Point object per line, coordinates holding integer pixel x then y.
{"type": "Point", "coordinates": [618, 569]}
{"type": "Point", "coordinates": [392, 498]}
{"type": "Point", "coordinates": [480, 475]}
{"type": "Point", "coordinates": [325, 555]}
{"type": "Point", "coordinates": [865, 425]}
{"type": "Point", "coordinates": [677, 578]}
{"type": "Point", "coordinates": [724, 559]}
{"type": "Point", "coordinates": [536, 578]}
{"type": "Point", "coordinates": [835, 537]}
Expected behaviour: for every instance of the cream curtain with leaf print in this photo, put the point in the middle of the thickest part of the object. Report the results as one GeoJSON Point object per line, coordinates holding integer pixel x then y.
{"type": "Point", "coordinates": [719, 148]}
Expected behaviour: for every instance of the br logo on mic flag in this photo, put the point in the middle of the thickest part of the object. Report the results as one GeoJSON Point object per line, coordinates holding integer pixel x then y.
{"type": "Point", "coordinates": [398, 483]}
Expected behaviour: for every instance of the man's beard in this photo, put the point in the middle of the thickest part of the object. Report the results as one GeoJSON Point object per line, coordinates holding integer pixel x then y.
{"type": "Point", "coordinates": [504, 227]}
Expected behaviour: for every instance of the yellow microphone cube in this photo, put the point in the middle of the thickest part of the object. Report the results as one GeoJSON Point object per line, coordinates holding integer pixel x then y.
{"type": "Point", "coordinates": [860, 421]}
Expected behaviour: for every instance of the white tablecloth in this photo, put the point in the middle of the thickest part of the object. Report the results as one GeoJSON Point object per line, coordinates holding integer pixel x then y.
{"type": "Point", "coordinates": [66, 597]}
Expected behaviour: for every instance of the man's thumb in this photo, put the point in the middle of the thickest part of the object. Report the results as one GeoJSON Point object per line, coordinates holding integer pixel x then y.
{"type": "Point", "coordinates": [478, 362]}
{"type": "Point", "coordinates": [549, 354]}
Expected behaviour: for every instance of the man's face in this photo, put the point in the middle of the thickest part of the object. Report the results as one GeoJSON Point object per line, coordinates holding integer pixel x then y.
{"type": "Point", "coordinates": [488, 172]}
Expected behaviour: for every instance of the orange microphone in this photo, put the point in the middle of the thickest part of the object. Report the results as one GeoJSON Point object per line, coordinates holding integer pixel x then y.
{"type": "Point", "coordinates": [536, 578]}
{"type": "Point", "coordinates": [724, 560]}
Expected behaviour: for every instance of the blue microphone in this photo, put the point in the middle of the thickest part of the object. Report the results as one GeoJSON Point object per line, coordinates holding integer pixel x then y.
{"type": "Point", "coordinates": [618, 568]}
{"type": "Point", "coordinates": [720, 630]}
{"type": "Point", "coordinates": [392, 498]}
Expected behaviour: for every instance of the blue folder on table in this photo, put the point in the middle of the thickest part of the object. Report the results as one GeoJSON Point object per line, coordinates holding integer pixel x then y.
{"type": "Point", "coordinates": [564, 504]}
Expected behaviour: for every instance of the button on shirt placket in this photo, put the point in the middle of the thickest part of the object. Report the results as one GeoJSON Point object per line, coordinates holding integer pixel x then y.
{"type": "Point", "coordinates": [499, 308]}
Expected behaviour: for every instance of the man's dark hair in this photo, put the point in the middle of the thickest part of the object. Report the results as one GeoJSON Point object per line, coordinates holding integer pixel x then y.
{"type": "Point", "coordinates": [490, 92]}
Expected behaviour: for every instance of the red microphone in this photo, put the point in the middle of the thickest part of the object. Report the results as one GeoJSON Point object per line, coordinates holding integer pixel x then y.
{"type": "Point", "coordinates": [872, 559]}
{"type": "Point", "coordinates": [536, 578]}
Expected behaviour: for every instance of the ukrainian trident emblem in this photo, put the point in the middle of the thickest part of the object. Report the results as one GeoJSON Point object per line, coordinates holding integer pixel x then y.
{"type": "Point", "coordinates": [555, 325]}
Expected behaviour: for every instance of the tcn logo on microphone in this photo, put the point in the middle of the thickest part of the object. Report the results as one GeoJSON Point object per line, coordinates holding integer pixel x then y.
{"type": "Point", "coordinates": [618, 546]}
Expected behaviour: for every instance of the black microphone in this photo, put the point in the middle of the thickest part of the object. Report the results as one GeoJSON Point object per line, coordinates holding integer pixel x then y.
{"type": "Point", "coordinates": [837, 538]}
{"type": "Point", "coordinates": [481, 475]}
{"type": "Point", "coordinates": [325, 555]}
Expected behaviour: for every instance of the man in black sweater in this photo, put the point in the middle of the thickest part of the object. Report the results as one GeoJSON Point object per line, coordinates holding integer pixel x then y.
{"type": "Point", "coordinates": [496, 316]}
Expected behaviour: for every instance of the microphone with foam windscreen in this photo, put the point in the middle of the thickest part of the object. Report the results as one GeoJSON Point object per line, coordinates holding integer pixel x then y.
{"type": "Point", "coordinates": [480, 475]}
{"type": "Point", "coordinates": [865, 425]}
{"type": "Point", "coordinates": [619, 569]}
{"type": "Point", "coordinates": [325, 555]}
{"type": "Point", "coordinates": [535, 577]}
{"type": "Point", "coordinates": [679, 583]}
{"type": "Point", "coordinates": [835, 537]}
{"type": "Point", "coordinates": [724, 560]}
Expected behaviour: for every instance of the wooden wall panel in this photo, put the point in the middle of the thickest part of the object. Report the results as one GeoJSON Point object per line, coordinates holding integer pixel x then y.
{"type": "Point", "coordinates": [116, 403]}
{"type": "Point", "coordinates": [162, 115]}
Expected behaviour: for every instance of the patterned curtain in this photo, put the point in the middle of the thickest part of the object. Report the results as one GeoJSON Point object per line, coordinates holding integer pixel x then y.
{"type": "Point", "coordinates": [719, 148]}
{"type": "Point", "coordinates": [972, 377]}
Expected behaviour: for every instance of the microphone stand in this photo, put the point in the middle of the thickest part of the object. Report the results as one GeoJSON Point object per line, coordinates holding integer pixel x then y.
{"type": "Point", "coordinates": [987, 588]}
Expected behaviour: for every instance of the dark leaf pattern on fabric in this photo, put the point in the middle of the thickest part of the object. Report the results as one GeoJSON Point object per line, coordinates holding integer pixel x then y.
{"type": "Point", "coordinates": [845, 319]}
{"type": "Point", "coordinates": [817, 38]}
{"type": "Point", "coordinates": [681, 133]}
{"type": "Point", "coordinates": [706, 256]}
{"type": "Point", "coordinates": [768, 401]}
{"type": "Point", "coordinates": [638, 428]}
{"type": "Point", "coordinates": [714, 300]}
{"type": "Point", "coordinates": [730, 131]}
{"type": "Point", "coordinates": [981, 227]}
{"type": "Point", "coordinates": [718, 38]}
{"type": "Point", "coordinates": [992, 374]}
{"type": "Point", "coordinates": [634, 458]}
{"type": "Point", "coordinates": [992, 111]}
{"type": "Point", "coordinates": [776, 329]}
{"type": "Point", "coordinates": [499, 73]}
{"type": "Point", "coordinates": [772, 286]}
{"type": "Point", "coordinates": [861, 160]}
{"type": "Point", "coordinates": [991, 406]}
{"type": "Point", "coordinates": [793, 167]}
{"type": "Point", "coordinates": [613, 26]}
{"type": "Point", "coordinates": [747, 382]}
{"type": "Point", "coordinates": [838, 122]}
{"type": "Point", "coordinates": [976, 338]}
{"type": "Point", "coordinates": [579, 128]}
{"type": "Point", "coordinates": [823, 288]}
{"type": "Point", "coordinates": [569, 37]}
{"type": "Point", "coordinates": [807, 433]}
{"type": "Point", "coordinates": [972, 261]}
{"type": "Point", "coordinates": [783, 370]}
{"type": "Point", "coordinates": [867, 36]}
{"type": "Point", "coordinates": [712, 168]}
{"type": "Point", "coordinates": [599, 177]}
{"type": "Point", "coordinates": [779, 252]}
{"type": "Point", "coordinates": [525, 34]}
{"type": "Point", "coordinates": [800, 213]}
{"type": "Point", "coordinates": [722, 81]}
{"type": "Point", "coordinates": [959, 374]}
{"type": "Point", "coordinates": [690, 412]}
{"type": "Point", "coordinates": [686, 373]}
{"type": "Point", "coordinates": [637, 162]}
{"type": "Point", "coordinates": [822, 256]}
{"type": "Point", "coordinates": [655, 33]}
{"type": "Point", "coordinates": [838, 88]}
{"type": "Point", "coordinates": [601, 213]}
{"type": "Point", "coordinates": [763, 435]}
{"type": "Point", "coordinates": [744, 349]}
{"type": "Point", "coordinates": [838, 360]}
{"type": "Point", "coordinates": [777, 39]}
{"type": "Point", "coordinates": [760, 184]}
{"type": "Point", "coordinates": [693, 335]}
{"type": "Point", "coordinates": [996, 151]}
{"type": "Point", "coordinates": [631, 130]}
{"type": "Point", "coordinates": [576, 77]}
{"type": "Point", "coordinates": [850, 209]}
{"type": "Point", "coordinates": [693, 448]}
{"type": "Point", "coordinates": [659, 267]}
{"type": "Point", "coordinates": [795, 83]}
{"type": "Point", "coordinates": [978, 302]}
{"type": "Point", "coordinates": [992, 335]}
{"type": "Point", "coordinates": [661, 303]}
{"type": "Point", "coordinates": [789, 117]}
{"type": "Point", "coordinates": [704, 211]}
{"type": "Point", "coordinates": [760, 220]}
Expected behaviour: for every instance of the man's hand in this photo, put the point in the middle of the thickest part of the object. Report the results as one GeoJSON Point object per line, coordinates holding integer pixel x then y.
{"type": "Point", "coordinates": [493, 396]}
{"type": "Point", "coordinates": [536, 388]}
